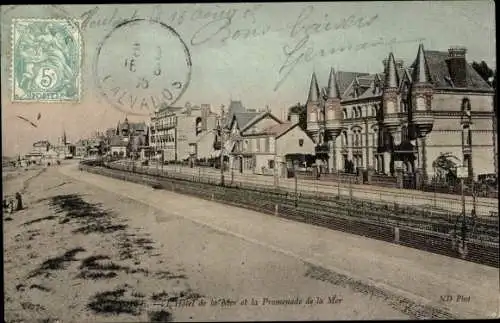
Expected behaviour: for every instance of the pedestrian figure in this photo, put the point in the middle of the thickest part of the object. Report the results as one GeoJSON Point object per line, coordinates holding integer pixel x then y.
{"type": "Point", "coordinates": [19, 200]}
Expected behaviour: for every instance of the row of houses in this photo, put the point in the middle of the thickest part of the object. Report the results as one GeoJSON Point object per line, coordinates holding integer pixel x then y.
{"type": "Point", "coordinates": [250, 141]}
{"type": "Point", "coordinates": [406, 117]}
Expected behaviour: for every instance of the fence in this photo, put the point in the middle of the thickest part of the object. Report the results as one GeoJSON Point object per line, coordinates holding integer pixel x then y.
{"type": "Point", "coordinates": [423, 229]}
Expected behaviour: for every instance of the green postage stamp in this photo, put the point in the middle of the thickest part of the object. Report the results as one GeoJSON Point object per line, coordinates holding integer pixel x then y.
{"type": "Point", "coordinates": [46, 60]}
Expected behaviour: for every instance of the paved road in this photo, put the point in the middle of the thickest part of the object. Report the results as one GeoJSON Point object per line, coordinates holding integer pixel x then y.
{"type": "Point", "coordinates": [282, 244]}
{"type": "Point", "coordinates": [387, 195]}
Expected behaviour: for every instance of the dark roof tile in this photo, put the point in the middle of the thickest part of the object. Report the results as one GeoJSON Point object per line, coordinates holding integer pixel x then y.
{"type": "Point", "coordinates": [438, 68]}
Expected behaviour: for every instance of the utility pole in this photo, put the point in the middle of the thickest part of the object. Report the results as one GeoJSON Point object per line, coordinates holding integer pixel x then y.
{"type": "Point", "coordinates": [275, 169]}
{"type": "Point", "coordinates": [295, 180]}
{"type": "Point", "coordinates": [221, 133]}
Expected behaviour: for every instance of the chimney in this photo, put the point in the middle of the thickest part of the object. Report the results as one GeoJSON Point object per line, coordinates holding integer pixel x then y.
{"type": "Point", "coordinates": [457, 66]}
{"type": "Point", "coordinates": [205, 111]}
{"type": "Point", "coordinates": [294, 118]}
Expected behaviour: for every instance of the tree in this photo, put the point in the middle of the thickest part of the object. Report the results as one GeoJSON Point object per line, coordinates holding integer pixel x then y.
{"type": "Point", "coordinates": [484, 71]}
{"type": "Point", "coordinates": [301, 110]}
{"type": "Point", "coordinates": [445, 167]}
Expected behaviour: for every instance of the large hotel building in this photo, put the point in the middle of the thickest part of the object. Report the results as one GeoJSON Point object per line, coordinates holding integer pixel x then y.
{"type": "Point", "coordinates": [406, 117]}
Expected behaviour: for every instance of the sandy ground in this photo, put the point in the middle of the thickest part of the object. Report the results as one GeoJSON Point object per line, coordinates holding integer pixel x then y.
{"type": "Point", "coordinates": [82, 250]}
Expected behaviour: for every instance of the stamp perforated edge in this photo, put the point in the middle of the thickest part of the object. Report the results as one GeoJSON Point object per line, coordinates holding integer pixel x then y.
{"type": "Point", "coordinates": [75, 23]}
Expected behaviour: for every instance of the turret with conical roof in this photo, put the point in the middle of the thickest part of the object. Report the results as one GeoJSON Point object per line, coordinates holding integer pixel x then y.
{"type": "Point", "coordinates": [391, 73]}
{"type": "Point", "coordinates": [390, 96]}
{"type": "Point", "coordinates": [313, 106]}
{"type": "Point", "coordinates": [421, 73]}
{"type": "Point", "coordinates": [422, 94]}
{"type": "Point", "coordinates": [333, 86]}
{"type": "Point", "coordinates": [313, 89]}
{"type": "Point", "coordinates": [333, 108]}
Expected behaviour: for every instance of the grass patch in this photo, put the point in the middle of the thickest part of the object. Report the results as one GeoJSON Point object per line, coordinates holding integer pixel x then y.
{"type": "Point", "coordinates": [159, 316]}
{"type": "Point", "coordinates": [92, 217]}
{"type": "Point", "coordinates": [56, 263]}
{"type": "Point", "coordinates": [114, 302]}
{"type": "Point", "coordinates": [40, 287]}
{"type": "Point", "coordinates": [169, 275]}
{"type": "Point", "coordinates": [46, 218]}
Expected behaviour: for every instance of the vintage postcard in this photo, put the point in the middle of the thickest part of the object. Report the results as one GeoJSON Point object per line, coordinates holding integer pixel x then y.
{"type": "Point", "coordinates": [249, 161]}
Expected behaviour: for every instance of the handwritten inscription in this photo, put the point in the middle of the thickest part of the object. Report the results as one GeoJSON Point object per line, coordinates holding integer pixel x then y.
{"type": "Point", "coordinates": [304, 51]}
{"type": "Point", "coordinates": [223, 24]}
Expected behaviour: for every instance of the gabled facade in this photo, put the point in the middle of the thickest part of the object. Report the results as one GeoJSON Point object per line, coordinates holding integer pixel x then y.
{"type": "Point", "coordinates": [264, 145]}
{"type": "Point", "coordinates": [406, 116]}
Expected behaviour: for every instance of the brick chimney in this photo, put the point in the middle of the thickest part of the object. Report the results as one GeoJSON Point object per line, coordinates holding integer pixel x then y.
{"type": "Point", "coordinates": [294, 118]}
{"type": "Point", "coordinates": [457, 66]}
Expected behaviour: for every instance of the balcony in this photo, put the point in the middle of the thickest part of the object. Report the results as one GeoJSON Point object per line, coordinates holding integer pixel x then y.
{"type": "Point", "coordinates": [165, 126]}
{"type": "Point", "coordinates": [312, 127]}
{"type": "Point", "coordinates": [424, 122]}
{"type": "Point", "coordinates": [333, 127]}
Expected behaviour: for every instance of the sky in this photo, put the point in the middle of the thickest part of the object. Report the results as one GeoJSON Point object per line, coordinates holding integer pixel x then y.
{"type": "Point", "coordinates": [262, 54]}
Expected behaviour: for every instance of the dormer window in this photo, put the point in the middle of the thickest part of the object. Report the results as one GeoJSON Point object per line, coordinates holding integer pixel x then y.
{"type": "Point", "coordinates": [344, 114]}
{"type": "Point", "coordinates": [376, 86]}
{"type": "Point", "coordinates": [450, 82]}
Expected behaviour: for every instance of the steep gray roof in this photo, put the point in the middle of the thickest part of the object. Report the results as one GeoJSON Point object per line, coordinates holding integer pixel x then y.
{"type": "Point", "coordinates": [243, 118]}
{"type": "Point", "coordinates": [117, 141]}
{"type": "Point", "coordinates": [235, 107]}
{"type": "Point", "coordinates": [438, 69]}
{"type": "Point", "coordinates": [344, 80]}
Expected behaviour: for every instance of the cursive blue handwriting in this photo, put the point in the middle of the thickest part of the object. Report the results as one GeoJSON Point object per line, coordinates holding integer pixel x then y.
{"type": "Point", "coordinates": [304, 52]}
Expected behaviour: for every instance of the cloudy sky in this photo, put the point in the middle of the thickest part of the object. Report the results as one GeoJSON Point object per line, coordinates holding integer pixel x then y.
{"type": "Point", "coordinates": [261, 54]}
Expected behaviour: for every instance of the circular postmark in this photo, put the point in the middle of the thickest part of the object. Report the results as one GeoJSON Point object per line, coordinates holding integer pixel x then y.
{"type": "Point", "coordinates": [142, 65]}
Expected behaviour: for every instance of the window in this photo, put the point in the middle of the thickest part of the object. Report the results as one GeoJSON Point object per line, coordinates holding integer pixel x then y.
{"type": "Point", "coordinates": [344, 139]}
{"type": "Point", "coordinates": [301, 142]}
{"type": "Point", "coordinates": [404, 133]}
{"type": "Point", "coordinates": [267, 145]}
{"type": "Point", "coordinates": [344, 114]}
{"type": "Point", "coordinates": [466, 108]}
{"type": "Point", "coordinates": [258, 144]}
{"type": "Point", "coordinates": [270, 163]}
{"type": "Point", "coordinates": [198, 126]}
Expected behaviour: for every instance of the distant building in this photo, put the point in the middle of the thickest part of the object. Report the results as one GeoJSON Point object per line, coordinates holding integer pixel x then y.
{"type": "Point", "coordinates": [176, 132]}
{"type": "Point", "coordinates": [129, 140]}
{"type": "Point", "coordinates": [265, 144]}
{"type": "Point", "coordinates": [118, 146]}
{"type": "Point", "coordinates": [406, 116]}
